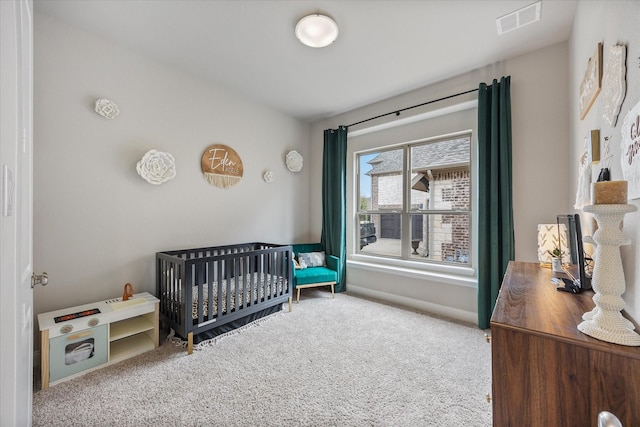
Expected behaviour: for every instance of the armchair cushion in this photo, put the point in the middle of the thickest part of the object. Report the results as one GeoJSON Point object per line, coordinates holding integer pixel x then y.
{"type": "Point", "coordinates": [315, 275]}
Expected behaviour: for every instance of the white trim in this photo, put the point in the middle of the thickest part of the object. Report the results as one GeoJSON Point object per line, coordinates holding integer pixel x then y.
{"type": "Point", "coordinates": [457, 276]}
{"type": "Point", "coordinates": [438, 309]}
{"type": "Point", "coordinates": [417, 118]}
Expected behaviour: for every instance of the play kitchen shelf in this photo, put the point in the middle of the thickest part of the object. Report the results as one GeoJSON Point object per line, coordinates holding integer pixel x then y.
{"type": "Point", "coordinates": [76, 340]}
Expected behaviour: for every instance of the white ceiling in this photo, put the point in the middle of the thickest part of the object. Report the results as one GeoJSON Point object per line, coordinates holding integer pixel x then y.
{"type": "Point", "coordinates": [384, 48]}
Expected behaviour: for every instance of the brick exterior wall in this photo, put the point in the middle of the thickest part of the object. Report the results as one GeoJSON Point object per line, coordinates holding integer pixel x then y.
{"type": "Point", "coordinates": [450, 189]}
{"type": "Point", "coordinates": [450, 239]}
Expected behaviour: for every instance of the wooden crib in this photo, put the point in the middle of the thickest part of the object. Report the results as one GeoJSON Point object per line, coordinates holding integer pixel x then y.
{"type": "Point", "coordinates": [205, 288]}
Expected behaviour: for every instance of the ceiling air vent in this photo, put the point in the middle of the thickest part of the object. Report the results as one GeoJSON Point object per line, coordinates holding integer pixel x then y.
{"type": "Point", "coordinates": [519, 18]}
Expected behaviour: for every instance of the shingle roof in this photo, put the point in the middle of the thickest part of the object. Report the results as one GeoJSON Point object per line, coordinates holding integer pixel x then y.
{"type": "Point", "coordinates": [435, 155]}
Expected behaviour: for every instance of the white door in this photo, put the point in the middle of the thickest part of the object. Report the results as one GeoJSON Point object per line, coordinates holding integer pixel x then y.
{"type": "Point", "coordinates": [16, 217]}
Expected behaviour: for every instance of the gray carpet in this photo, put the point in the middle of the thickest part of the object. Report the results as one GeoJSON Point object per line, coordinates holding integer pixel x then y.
{"type": "Point", "coordinates": [346, 361]}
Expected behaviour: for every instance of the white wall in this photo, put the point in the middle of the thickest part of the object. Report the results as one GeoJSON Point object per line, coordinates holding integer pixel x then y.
{"type": "Point", "coordinates": [540, 126]}
{"type": "Point", "coordinates": [97, 224]}
{"type": "Point", "coordinates": [609, 23]}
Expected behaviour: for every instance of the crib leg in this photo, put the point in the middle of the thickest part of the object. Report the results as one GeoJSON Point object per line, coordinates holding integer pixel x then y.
{"type": "Point", "coordinates": [290, 305]}
{"type": "Point", "coordinates": [190, 343]}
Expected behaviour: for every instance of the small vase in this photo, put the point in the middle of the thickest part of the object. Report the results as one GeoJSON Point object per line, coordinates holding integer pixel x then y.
{"type": "Point", "coordinates": [556, 265]}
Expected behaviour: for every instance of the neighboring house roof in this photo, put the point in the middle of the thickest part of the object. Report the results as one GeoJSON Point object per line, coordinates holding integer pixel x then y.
{"type": "Point", "coordinates": [435, 155]}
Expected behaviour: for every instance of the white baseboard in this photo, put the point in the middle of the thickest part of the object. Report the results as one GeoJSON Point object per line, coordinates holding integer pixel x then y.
{"type": "Point", "coordinates": [453, 313]}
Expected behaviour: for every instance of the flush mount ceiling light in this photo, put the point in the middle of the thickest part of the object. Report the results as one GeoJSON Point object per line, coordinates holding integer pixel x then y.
{"type": "Point", "coordinates": [317, 30]}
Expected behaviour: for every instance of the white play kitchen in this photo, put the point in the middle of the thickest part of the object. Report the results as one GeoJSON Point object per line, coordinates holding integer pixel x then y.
{"type": "Point", "coordinates": [78, 339]}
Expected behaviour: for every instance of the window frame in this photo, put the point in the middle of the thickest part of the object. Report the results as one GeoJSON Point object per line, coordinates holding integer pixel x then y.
{"type": "Point", "coordinates": [406, 212]}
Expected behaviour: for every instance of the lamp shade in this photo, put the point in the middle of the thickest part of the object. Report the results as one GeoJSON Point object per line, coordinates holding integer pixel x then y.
{"type": "Point", "coordinates": [316, 30]}
{"type": "Point", "coordinates": [550, 237]}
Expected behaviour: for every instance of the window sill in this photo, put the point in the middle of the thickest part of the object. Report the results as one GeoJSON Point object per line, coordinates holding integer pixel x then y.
{"type": "Point", "coordinates": [450, 274]}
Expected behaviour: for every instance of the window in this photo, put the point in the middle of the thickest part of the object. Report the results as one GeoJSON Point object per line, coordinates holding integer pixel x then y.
{"type": "Point", "coordinates": [414, 201]}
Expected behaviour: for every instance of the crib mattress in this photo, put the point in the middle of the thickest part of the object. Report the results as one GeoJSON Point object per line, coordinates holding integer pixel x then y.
{"type": "Point", "coordinates": [257, 282]}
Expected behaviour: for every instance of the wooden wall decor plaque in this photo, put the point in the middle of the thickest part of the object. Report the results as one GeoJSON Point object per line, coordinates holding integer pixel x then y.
{"type": "Point", "coordinates": [614, 87]}
{"type": "Point", "coordinates": [591, 82]}
{"type": "Point", "coordinates": [221, 166]}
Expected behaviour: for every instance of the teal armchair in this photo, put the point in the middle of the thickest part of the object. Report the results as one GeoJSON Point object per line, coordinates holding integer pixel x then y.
{"type": "Point", "coordinates": [316, 276]}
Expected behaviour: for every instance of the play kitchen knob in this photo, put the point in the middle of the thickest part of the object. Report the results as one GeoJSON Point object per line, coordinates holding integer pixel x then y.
{"type": "Point", "coordinates": [39, 279]}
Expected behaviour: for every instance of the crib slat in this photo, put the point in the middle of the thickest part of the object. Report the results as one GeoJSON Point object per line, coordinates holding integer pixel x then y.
{"type": "Point", "coordinates": [227, 276]}
{"type": "Point", "coordinates": [219, 278]}
{"type": "Point", "coordinates": [235, 265]}
{"type": "Point", "coordinates": [200, 293]}
{"type": "Point", "coordinates": [176, 290]}
{"type": "Point", "coordinates": [267, 276]}
{"type": "Point", "coordinates": [260, 277]}
{"type": "Point", "coordinates": [277, 275]}
{"type": "Point", "coordinates": [244, 283]}
{"type": "Point", "coordinates": [280, 259]}
{"type": "Point", "coordinates": [252, 280]}
{"type": "Point", "coordinates": [186, 286]}
{"type": "Point", "coordinates": [210, 284]}
{"type": "Point", "coordinates": [272, 274]}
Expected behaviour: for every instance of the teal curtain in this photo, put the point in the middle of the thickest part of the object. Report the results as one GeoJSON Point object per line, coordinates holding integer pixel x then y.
{"type": "Point", "coordinates": [334, 199]}
{"type": "Point", "coordinates": [495, 207]}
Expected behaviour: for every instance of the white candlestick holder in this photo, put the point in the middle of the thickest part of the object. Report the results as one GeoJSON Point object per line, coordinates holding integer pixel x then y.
{"type": "Point", "coordinates": [605, 322]}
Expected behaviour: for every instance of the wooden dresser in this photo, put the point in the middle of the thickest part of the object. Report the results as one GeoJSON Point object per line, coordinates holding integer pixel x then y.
{"type": "Point", "coordinates": [546, 372]}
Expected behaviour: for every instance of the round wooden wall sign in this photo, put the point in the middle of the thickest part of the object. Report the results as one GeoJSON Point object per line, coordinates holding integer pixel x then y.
{"type": "Point", "coordinates": [221, 166]}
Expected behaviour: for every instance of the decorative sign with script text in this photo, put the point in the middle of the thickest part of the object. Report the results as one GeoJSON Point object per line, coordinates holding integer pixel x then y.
{"type": "Point", "coordinates": [630, 151]}
{"type": "Point", "coordinates": [221, 166]}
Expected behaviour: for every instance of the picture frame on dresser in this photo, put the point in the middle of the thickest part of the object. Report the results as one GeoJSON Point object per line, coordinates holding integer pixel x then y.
{"type": "Point", "coordinates": [579, 267]}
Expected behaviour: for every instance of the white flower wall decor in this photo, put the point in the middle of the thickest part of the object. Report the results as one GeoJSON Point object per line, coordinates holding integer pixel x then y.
{"type": "Point", "coordinates": [294, 161]}
{"type": "Point", "coordinates": [268, 177]}
{"type": "Point", "coordinates": [156, 167]}
{"type": "Point", "coordinates": [106, 108]}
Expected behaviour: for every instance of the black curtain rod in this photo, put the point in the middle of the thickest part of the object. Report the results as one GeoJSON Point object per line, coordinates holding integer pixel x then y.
{"type": "Point", "coordinates": [397, 112]}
